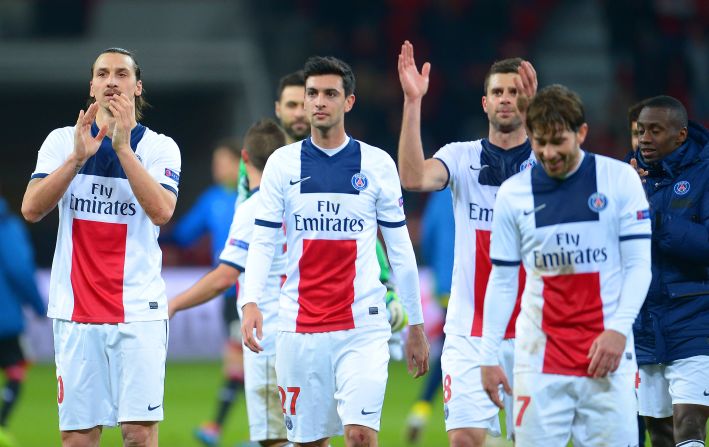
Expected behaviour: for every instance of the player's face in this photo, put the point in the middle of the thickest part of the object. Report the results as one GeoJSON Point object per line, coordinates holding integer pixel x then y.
{"type": "Point", "coordinates": [225, 167]}
{"type": "Point", "coordinates": [325, 101]}
{"type": "Point", "coordinates": [558, 152]}
{"type": "Point", "coordinates": [657, 136]}
{"type": "Point", "coordinates": [500, 102]}
{"type": "Point", "coordinates": [291, 112]}
{"type": "Point", "coordinates": [114, 73]}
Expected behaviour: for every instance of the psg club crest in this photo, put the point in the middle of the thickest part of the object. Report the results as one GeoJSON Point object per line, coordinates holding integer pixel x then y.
{"type": "Point", "coordinates": [359, 181]}
{"type": "Point", "coordinates": [597, 202]}
{"type": "Point", "coordinates": [682, 188]}
{"type": "Point", "coordinates": [526, 164]}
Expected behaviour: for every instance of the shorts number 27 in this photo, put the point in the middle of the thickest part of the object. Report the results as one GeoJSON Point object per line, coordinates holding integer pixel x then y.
{"type": "Point", "coordinates": [294, 391]}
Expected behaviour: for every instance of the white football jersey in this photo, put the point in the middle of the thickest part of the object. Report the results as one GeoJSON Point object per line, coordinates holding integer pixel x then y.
{"type": "Point", "coordinates": [107, 261]}
{"type": "Point", "coordinates": [234, 254]}
{"type": "Point", "coordinates": [473, 205]}
{"type": "Point", "coordinates": [567, 235]}
{"type": "Point", "coordinates": [332, 206]}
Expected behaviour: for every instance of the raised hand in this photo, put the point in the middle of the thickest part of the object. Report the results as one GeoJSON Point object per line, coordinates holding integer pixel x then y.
{"type": "Point", "coordinates": [526, 85]}
{"type": "Point", "coordinates": [413, 83]}
{"type": "Point", "coordinates": [86, 145]}
{"type": "Point", "coordinates": [123, 111]}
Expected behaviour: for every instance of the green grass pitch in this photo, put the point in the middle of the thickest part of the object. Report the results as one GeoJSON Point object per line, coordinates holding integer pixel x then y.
{"type": "Point", "coordinates": [190, 393]}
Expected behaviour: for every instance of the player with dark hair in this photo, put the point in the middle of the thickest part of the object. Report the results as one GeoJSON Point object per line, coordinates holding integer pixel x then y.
{"type": "Point", "coordinates": [580, 225]}
{"type": "Point", "coordinates": [332, 192]}
{"type": "Point", "coordinates": [474, 171]}
{"type": "Point", "coordinates": [115, 182]}
{"type": "Point", "coordinates": [672, 328]}
{"type": "Point", "coordinates": [262, 400]}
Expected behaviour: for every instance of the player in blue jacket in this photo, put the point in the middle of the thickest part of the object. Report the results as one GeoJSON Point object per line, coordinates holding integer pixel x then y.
{"type": "Point", "coordinates": [672, 328]}
{"type": "Point", "coordinates": [17, 288]}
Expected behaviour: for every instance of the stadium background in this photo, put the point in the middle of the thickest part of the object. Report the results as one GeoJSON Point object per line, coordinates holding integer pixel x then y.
{"type": "Point", "coordinates": [210, 68]}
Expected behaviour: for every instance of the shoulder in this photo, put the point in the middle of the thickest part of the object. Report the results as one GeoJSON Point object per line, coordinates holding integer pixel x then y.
{"type": "Point", "coordinates": [461, 148]}
{"type": "Point", "coordinates": [158, 141]}
{"type": "Point", "coordinates": [61, 135]}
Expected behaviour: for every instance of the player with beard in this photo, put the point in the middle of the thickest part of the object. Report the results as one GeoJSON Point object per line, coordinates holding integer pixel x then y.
{"type": "Point", "coordinates": [474, 170]}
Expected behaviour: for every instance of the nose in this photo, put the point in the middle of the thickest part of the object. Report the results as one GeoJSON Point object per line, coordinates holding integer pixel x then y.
{"type": "Point", "coordinates": [300, 110]}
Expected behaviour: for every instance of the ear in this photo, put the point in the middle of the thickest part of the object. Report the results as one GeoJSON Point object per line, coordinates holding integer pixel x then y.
{"type": "Point", "coordinates": [484, 103]}
{"type": "Point", "coordinates": [91, 89]}
{"type": "Point", "coordinates": [682, 136]}
{"type": "Point", "coordinates": [581, 134]}
{"type": "Point", "coordinates": [245, 155]}
{"type": "Point", "coordinates": [138, 88]}
{"type": "Point", "coordinates": [349, 103]}
{"type": "Point", "coordinates": [277, 109]}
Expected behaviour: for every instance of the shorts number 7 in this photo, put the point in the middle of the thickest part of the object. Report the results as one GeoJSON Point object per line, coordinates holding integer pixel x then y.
{"type": "Point", "coordinates": [525, 403]}
{"type": "Point", "coordinates": [295, 391]}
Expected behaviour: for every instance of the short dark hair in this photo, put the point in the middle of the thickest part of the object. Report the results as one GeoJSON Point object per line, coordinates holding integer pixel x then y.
{"type": "Point", "coordinates": [140, 102]}
{"type": "Point", "coordinates": [261, 140]}
{"type": "Point", "coordinates": [230, 144]}
{"type": "Point", "coordinates": [678, 113]}
{"type": "Point", "coordinates": [510, 65]}
{"type": "Point", "coordinates": [319, 65]}
{"type": "Point", "coordinates": [297, 79]}
{"type": "Point", "coordinates": [555, 108]}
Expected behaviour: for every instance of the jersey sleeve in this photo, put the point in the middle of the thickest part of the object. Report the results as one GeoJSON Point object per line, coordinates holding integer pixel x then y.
{"type": "Point", "coordinates": [448, 155]}
{"type": "Point", "coordinates": [505, 242]}
{"type": "Point", "coordinates": [165, 164]}
{"type": "Point", "coordinates": [267, 223]}
{"type": "Point", "coordinates": [390, 202]}
{"type": "Point", "coordinates": [236, 247]}
{"type": "Point", "coordinates": [53, 152]}
{"type": "Point", "coordinates": [634, 209]}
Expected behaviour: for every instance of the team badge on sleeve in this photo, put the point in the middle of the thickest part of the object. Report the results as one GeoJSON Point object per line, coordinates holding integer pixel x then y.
{"type": "Point", "coordinates": [643, 214]}
{"type": "Point", "coordinates": [597, 202]}
{"type": "Point", "coordinates": [681, 188]}
{"type": "Point", "coordinates": [401, 201]}
{"type": "Point", "coordinates": [172, 174]}
{"type": "Point", "coordinates": [359, 181]}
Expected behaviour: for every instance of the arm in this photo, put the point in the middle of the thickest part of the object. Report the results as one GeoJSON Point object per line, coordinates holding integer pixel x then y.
{"type": "Point", "coordinates": [403, 261]}
{"type": "Point", "coordinates": [416, 173]}
{"type": "Point", "coordinates": [500, 300]}
{"type": "Point", "coordinates": [43, 194]}
{"type": "Point", "coordinates": [267, 224]}
{"type": "Point", "coordinates": [214, 283]}
{"type": "Point", "coordinates": [606, 350]}
{"type": "Point", "coordinates": [158, 202]}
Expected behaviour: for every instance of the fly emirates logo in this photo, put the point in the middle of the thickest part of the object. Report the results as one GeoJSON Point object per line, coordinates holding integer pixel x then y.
{"type": "Point", "coordinates": [328, 219]}
{"type": "Point", "coordinates": [569, 251]}
{"type": "Point", "coordinates": [100, 202]}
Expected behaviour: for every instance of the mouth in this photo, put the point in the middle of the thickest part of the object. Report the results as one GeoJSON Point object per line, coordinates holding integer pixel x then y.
{"type": "Point", "coordinates": [647, 151]}
{"type": "Point", "coordinates": [320, 115]}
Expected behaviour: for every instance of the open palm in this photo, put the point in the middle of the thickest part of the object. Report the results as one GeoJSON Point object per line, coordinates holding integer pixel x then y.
{"type": "Point", "coordinates": [85, 144]}
{"type": "Point", "coordinates": [413, 83]}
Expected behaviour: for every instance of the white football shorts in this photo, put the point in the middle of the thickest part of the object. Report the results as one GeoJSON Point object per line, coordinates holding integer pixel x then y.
{"type": "Point", "coordinates": [465, 402]}
{"type": "Point", "coordinates": [109, 373]}
{"type": "Point", "coordinates": [331, 379]}
{"type": "Point", "coordinates": [263, 403]}
{"type": "Point", "coordinates": [684, 381]}
{"type": "Point", "coordinates": [550, 409]}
